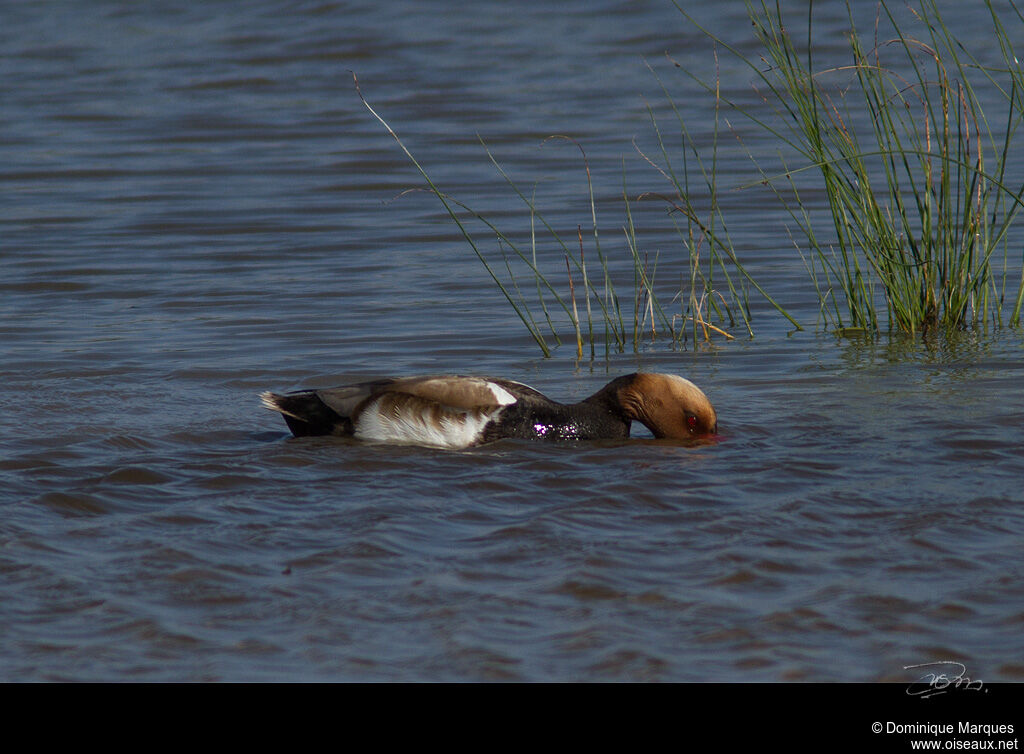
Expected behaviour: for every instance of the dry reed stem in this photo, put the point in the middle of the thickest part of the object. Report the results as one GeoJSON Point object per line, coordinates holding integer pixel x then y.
{"type": "Point", "coordinates": [575, 313]}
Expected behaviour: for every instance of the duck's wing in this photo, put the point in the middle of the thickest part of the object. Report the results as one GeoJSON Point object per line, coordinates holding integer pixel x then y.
{"type": "Point", "coordinates": [458, 392]}
{"type": "Point", "coordinates": [345, 400]}
{"type": "Point", "coordinates": [444, 411]}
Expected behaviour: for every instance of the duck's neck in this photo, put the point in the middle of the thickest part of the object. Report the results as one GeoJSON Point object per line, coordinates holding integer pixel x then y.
{"type": "Point", "coordinates": [610, 397]}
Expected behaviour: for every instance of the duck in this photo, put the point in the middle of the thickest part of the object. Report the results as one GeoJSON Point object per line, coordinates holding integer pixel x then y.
{"type": "Point", "coordinates": [457, 412]}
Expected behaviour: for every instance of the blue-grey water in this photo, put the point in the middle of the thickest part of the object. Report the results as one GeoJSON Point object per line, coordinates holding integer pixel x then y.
{"type": "Point", "coordinates": [195, 206]}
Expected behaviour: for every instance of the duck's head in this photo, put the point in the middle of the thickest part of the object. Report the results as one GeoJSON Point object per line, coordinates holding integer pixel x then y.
{"type": "Point", "coordinates": [668, 405]}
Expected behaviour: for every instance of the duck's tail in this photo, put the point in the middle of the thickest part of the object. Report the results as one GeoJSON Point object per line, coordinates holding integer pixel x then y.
{"type": "Point", "coordinates": [306, 414]}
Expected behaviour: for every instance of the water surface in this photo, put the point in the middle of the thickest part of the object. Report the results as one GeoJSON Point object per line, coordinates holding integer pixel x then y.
{"type": "Point", "coordinates": [197, 207]}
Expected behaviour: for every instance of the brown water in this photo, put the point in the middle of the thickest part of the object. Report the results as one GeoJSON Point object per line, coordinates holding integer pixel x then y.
{"type": "Point", "coordinates": [196, 207]}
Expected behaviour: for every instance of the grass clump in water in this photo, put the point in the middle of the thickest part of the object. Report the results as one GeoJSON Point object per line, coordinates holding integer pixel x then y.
{"type": "Point", "coordinates": [917, 178]}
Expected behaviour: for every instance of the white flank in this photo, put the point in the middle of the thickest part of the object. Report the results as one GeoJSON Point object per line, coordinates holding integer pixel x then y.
{"type": "Point", "coordinates": [455, 429]}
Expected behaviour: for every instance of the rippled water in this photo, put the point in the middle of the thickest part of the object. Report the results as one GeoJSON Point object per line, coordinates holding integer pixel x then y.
{"type": "Point", "coordinates": [196, 207]}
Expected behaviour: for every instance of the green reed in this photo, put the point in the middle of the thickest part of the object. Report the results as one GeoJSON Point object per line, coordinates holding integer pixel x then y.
{"type": "Point", "coordinates": [691, 175]}
{"type": "Point", "coordinates": [590, 302]}
{"type": "Point", "coordinates": [919, 191]}
{"type": "Point", "coordinates": [920, 198]}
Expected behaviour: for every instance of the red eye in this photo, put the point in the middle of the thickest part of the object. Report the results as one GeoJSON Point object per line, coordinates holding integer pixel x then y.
{"type": "Point", "coordinates": [691, 422]}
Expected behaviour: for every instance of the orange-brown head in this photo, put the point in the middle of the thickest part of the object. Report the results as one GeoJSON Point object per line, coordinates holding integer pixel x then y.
{"type": "Point", "coordinates": [668, 405]}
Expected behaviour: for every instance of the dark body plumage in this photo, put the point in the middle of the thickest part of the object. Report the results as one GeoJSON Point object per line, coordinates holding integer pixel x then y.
{"type": "Point", "coordinates": [536, 417]}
